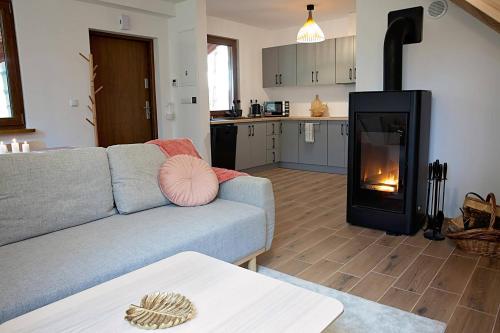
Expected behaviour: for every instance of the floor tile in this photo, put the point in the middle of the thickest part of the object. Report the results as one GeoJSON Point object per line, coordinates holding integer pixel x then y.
{"type": "Point", "coordinates": [469, 321]}
{"type": "Point", "coordinates": [320, 250]}
{"type": "Point", "coordinates": [320, 271]}
{"type": "Point", "coordinates": [275, 256]}
{"type": "Point", "coordinates": [292, 267]}
{"type": "Point", "coordinates": [341, 281]}
{"type": "Point", "coordinates": [488, 262]}
{"type": "Point", "coordinates": [441, 249]}
{"type": "Point", "coordinates": [309, 239]}
{"type": "Point", "coordinates": [350, 249]}
{"type": "Point", "coordinates": [401, 299]}
{"type": "Point", "coordinates": [366, 260]}
{"type": "Point", "coordinates": [372, 286]}
{"type": "Point", "coordinates": [420, 273]}
{"type": "Point", "coordinates": [483, 291]}
{"type": "Point", "coordinates": [398, 260]}
{"type": "Point", "coordinates": [454, 275]}
{"type": "Point", "coordinates": [436, 304]}
{"type": "Point", "coordinates": [349, 231]}
{"type": "Point", "coordinates": [372, 233]}
{"type": "Point", "coordinates": [417, 240]}
{"type": "Point", "coordinates": [392, 241]}
{"type": "Point", "coordinates": [288, 236]}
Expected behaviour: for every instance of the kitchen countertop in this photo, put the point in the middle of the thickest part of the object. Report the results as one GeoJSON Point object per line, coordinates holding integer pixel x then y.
{"type": "Point", "coordinates": [222, 121]}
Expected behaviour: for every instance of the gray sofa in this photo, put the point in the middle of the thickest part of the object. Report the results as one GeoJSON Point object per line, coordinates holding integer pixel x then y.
{"type": "Point", "coordinates": [72, 219]}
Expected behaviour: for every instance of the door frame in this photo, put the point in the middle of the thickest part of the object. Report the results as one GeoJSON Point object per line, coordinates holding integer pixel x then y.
{"type": "Point", "coordinates": [152, 69]}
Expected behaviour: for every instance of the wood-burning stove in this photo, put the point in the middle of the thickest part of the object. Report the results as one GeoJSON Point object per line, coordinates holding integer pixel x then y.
{"type": "Point", "coordinates": [389, 141]}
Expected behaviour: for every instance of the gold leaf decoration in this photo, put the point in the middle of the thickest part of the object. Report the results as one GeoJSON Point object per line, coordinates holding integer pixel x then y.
{"type": "Point", "coordinates": [160, 310]}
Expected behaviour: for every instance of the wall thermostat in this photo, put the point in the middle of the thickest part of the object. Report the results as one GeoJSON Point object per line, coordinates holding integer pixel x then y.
{"type": "Point", "coordinates": [125, 22]}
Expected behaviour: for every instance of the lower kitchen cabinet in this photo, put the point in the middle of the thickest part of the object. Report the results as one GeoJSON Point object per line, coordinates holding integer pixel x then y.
{"type": "Point", "coordinates": [315, 152]}
{"type": "Point", "coordinates": [337, 143]}
{"type": "Point", "coordinates": [251, 145]}
{"type": "Point", "coordinates": [289, 143]}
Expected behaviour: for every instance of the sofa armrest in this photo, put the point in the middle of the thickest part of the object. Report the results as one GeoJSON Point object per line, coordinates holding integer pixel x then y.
{"type": "Point", "coordinates": [253, 191]}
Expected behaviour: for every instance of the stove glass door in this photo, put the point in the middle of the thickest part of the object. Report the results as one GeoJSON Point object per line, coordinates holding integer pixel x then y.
{"type": "Point", "coordinates": [380, 160]}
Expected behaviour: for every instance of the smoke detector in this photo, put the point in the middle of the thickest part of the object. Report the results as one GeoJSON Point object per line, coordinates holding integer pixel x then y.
{"type": "Point", "coordinates": [437, 9]}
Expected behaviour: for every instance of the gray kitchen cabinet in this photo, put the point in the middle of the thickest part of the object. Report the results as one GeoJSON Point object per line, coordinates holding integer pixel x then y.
{"type": "Point", "coordinates": [289, 145]}
{"type": "Point", "coordinates": [258, 140]}
{"type": "Point", "coordinates": [243, 153]}
{"type": "Point", "coordinates": [337, 141]}
{"type": "Point", "coordinates": [270, 67]}
{"type": "Point", "coordinates": [325, 62]}
{"type": "Point", "coordinates": [279, 66]}
{"type": "Point", "coordinates": [316, 63]}
{"type": "Point", "coordinates": [306, 64]}
{"type": "Point", "coordinates": [345, 59]}
{"type": "Point", "coordinates": [317, 152]}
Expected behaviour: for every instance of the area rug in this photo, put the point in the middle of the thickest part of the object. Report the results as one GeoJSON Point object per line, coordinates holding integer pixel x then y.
{"type": "Point", "coordinates": [361, 315]}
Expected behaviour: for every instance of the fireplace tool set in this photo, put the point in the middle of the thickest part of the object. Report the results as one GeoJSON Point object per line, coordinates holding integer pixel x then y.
{"type": "Point", "coordinates": [436, 188]}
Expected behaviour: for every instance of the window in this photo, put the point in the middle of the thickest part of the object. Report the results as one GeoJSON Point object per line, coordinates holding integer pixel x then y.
{"type": "Point", "coordinates": [222, 73]}
{"type": "Point", "coordinates": [11, 98]}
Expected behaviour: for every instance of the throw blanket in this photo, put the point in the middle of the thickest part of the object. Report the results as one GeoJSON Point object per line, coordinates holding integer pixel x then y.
{"type": "Point", "coordinates": [185, 146]}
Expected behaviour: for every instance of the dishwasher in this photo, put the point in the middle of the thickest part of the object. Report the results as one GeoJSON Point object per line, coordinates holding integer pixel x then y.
{"type": "Point", "coordinates": [223, 145]}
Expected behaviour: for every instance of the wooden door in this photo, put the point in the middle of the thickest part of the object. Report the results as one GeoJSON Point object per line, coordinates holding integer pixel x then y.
{"type": "Point", "coordinates": [126, 110]}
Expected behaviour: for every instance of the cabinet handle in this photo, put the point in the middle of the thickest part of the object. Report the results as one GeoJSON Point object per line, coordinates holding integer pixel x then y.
{"type": "Point", "coordinates": [347, 129]}
{"type": "Point", "coordinates": [274, 157]}
{"type": "Point", "coordinates": [342, 129]}
{"type": "Point", "coordinates": [274, 143]}
{"type": "Point", "coordinates": [273, 127]}
{"type": "Point", "coordinates": [312, 77]}
{"type": "Point", "coordinates": [253, 130]}
{"type": "Point", "coordinates": [281, 128]}
{"type": "Point", "coordinates": [350, 73]}
{"type": "Point", "coordinates": [300, 128]}
{"type": "Point", "coordinates": [249, 130]}
{"type": "Point", "coordinates": [317, 76]}
{"type": "Point", "coordinates": [354, 73]}
{"type": "Point", "coordinates": [280, 80]}
{"type": "Point", "coordinates": [276, 79]}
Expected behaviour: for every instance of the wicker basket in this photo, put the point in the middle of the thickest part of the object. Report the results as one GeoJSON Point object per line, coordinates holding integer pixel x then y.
{"type": "Point", "coordinates": [482, 241]}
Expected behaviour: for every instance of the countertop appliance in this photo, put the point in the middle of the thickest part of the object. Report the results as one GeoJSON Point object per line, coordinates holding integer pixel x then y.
{"type": "Point", "coordinates": [277, 109]}
{"type": "Point", "coordinates": [255, 109]}
{"type": "Point", "coordinates": [223, 145]}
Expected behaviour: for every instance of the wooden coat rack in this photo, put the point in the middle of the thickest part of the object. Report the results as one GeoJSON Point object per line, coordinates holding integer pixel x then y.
{"type": "Point", "coordinates": [93, 93]}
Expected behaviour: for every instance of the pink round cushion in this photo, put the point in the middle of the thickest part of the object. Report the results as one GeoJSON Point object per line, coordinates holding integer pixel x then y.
{"type": "Point", "coordinates": [188, 181]}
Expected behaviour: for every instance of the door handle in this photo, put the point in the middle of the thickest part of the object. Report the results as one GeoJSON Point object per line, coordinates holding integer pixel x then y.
{"type": "Point", "coordinates": [312, 76]}
{"type": "Point", "coordinates": [280, 80]}
{"type": "Point", "coordinates": [317, 76]}
{"type": "Point", "coordinates": [350, 73]}
{"type": "Point", "coordinates": [342, 129]}
{"type": "Point", "coordinates": [276, 79]}
{"type": "Point", "coordinates": [147, 108]}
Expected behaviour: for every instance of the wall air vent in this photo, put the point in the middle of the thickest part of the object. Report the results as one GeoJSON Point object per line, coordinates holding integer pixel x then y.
{"type": "Point", "coordinates": [437, 9]}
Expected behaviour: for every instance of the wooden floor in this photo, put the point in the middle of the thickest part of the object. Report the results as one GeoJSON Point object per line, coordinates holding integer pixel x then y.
{"type": "Point", "coordinates": [433, 279]}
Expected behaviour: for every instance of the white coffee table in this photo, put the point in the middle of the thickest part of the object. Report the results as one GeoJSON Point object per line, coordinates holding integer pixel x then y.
{"type": "Point", "coordinates": [227, 299]}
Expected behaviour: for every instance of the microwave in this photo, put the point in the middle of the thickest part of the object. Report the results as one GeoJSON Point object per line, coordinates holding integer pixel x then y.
{"type": "Point", "coordinates": [277, 109]}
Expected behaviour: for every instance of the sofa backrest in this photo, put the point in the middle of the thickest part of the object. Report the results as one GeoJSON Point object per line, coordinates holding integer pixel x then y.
{"type": "Point", "coordinates": [134, 174]}
{"type": "Point", "coordinates": [48, 191]}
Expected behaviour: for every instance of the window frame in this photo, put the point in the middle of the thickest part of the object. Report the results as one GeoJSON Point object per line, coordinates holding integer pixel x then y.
{"type": "Point", "coordinates": [233, 43]}
{"type": "Point", "coordinates": [9, 40]}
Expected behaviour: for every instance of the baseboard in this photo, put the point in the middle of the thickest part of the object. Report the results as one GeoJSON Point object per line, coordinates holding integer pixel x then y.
{"type": "Point", "coordinates": [311, 167]}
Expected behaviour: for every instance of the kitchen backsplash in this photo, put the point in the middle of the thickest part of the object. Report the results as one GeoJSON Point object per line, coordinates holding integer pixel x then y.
{"type": "Point", "coordinates": [335, 109]}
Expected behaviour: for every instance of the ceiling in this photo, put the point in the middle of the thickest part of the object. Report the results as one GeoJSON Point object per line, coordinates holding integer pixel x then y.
{"type": "Point", "coordinates": [278, 14]}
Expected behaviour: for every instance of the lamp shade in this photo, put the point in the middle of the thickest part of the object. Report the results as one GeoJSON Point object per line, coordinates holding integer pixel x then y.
{"type": "Point", "coordinates": [310, 31]}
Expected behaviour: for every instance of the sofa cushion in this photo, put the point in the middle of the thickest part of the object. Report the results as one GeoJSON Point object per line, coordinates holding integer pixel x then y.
{"type": "Point", "coordinates": [53, 190]}
{"type": "Point", "coordinates": [45, 269]}
{"type": "Point", "coordinates": [134, 175]}
{"type": "Point", "coordinates": [188, 181]}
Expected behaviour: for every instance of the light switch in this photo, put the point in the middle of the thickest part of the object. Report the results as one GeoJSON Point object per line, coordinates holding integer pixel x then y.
{"type": "Point", "coordinates": [74, 102]}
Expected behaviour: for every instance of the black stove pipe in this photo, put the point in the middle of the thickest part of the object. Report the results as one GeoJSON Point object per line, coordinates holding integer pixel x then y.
{"type": "Point", "coordinates": [395, 37]}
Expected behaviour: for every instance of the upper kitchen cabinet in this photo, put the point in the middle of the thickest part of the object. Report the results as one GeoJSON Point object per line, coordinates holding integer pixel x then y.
{"type": "Point", "coordinates": [316, 63]}
{"type": "Point", "coordinates": [279, 66]}
{"type": "Point", "coordinates": [345, 64]}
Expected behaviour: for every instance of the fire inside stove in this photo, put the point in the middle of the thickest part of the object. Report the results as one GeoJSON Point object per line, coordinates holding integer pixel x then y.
{"type": "Point", "coordinates": [381, 180]}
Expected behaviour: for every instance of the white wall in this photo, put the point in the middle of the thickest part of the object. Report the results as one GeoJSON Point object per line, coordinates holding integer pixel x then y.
{"type": "Point", "coordinates": [50, 34]}
{"type": "Point", "coordinates": [251, 40]}
{"type": "Point", "coordinates": [459, 61]}
{"type": "Point", "coordinates": [191, 120]}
